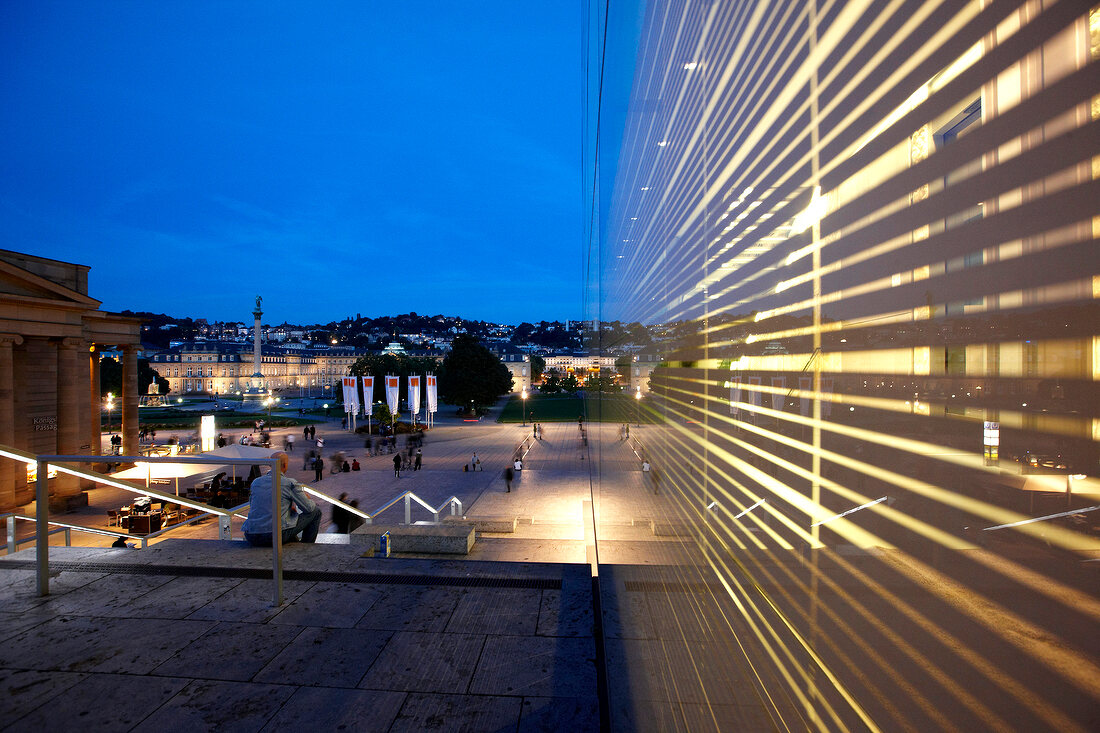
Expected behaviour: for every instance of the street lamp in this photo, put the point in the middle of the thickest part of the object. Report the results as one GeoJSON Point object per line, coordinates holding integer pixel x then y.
{"type": "Point", "coordinates": [110, 406]}
{"type": "Point", "coordinates": [523, 396]}
{"type": "Point", "coordinates": [638, 405]}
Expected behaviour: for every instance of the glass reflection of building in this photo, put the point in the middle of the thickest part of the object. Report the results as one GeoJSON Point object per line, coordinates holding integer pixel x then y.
{"type": "Point", "coordinates": [867, 235]}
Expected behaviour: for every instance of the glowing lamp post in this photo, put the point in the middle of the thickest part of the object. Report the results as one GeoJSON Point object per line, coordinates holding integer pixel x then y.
{"type": "Point", "coordinates": [638, 406]}
{"type": "Point", "coordinates": [110, 406]}
{"type": "Point", "coordinates": [523, 397]}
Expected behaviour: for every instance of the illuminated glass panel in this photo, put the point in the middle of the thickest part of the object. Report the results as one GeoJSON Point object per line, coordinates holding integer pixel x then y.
{"type": "Point", "coordinates": [860, 235]}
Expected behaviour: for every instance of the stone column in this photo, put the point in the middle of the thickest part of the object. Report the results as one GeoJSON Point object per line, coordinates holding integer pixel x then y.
{"type": "Point", "coordinates": [95, 407]}
{"type": "Point", "coordinates": [257, 372]}
{"type": "Point", "coordinates": [7, 420]}
{"type": "Point", "coordinates": [68, 417]}
{"type": "Point", "coordinates": [129, 401]}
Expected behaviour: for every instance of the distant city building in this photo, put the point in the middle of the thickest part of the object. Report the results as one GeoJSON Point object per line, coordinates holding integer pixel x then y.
{"type": "Point", "coordinates": [579, 363]}
{"type": "Point", "coordinates": [216, 367]}
{"type": "Point", "coordinates": [519, 365]}
{"type": "Point", "coordinates": [641, 367]}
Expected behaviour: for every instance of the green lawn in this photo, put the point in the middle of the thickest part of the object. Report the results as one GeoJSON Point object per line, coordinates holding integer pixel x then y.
{"type": "Point", "coordinates": [601, 407]}
{"type": "Point", "coordinates": [544, 408]}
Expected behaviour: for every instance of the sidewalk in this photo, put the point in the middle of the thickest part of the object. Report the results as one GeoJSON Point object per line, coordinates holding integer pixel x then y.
{"type": "Point", "coordinates": [396, 645]}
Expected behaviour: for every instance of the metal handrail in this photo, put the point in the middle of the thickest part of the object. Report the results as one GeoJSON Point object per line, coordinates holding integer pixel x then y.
{"type": "Point", "coordinates": [63, 464]}
{"type": "Point", "coordinates": [13, 543]}
{"type": "Point", "coordinates": [325, 497]}
{"type": "Point", "coordinates": [224, 526]}
{"type": "Point", "coordinates": [409, 497]}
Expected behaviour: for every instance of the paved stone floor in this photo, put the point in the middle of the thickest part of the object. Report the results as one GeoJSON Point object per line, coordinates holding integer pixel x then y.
{"type": "Point", "coordinates": [185, 635]}
{"type": "Point", "coordinates": [400, 644]}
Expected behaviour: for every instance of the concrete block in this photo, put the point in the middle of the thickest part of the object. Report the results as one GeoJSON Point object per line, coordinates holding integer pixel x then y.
{"type": "Point", "coordinates": [485, 524]}
{"type": "Point", "coordinates": [444, 539]}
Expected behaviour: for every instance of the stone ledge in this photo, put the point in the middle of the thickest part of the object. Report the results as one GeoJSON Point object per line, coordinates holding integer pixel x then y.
{"type": "Point", "coordinates": [448, 539]}
{"type": "Point", "coordinates": [502, 524]}
{"type": "Point", "coordinates": [669, 529]}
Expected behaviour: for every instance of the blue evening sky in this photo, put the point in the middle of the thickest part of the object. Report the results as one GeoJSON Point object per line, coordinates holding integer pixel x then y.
{"type": "Point", "coordinates": [335, 157]}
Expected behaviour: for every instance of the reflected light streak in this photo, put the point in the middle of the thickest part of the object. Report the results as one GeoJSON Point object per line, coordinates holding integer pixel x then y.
{"type": "Point", "coordinates": [850, 511]}
{"type": "Point", "coordinates": [1041, 519]}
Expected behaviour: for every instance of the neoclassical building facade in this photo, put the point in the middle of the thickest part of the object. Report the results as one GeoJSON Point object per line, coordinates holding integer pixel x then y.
{"type": "Point", "coordinates": [225, 368]}
{"type": "Point", "coordinates": [51, 335]}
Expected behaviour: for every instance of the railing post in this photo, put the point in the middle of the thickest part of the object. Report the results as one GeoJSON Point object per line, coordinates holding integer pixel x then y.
{"type": "Point", "coordinates": [11, 536]}
{"type": "Point", "coordinates": [68, 537]}
{"type": "Point", "coordinates": [42, 536]}
{"type": "Point", "coordinates": [452, 507]}
{"type": "Point", "coordinates": [225, 527]}
{"type": "Point", "coordinates": [276, 535]}
{"type": "Point", "coordinates": [144, 542]}
{"type": "Point", "coordinates": [408, 509]}
{"type": "Point", "coordinates": [435, 517]}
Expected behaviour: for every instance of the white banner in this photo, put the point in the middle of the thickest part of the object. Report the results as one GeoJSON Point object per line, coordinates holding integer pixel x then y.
{"type": "Point", "coordinates": [432, 396]}
{"type": "Point", "coordinates": [414, 394]}
{"type": "Point", "coordinates": [368, 395]}
{"type": "Point", "coordinates": [754, 394]}
{"type": "Point", "coordinates": [778, 398]}
{"type": "Point", "coordinates": [351, 394]}
{"type": "Point", "coordinates": [806, 385]}
{"type": "Point", "coordinates": [393, 388]}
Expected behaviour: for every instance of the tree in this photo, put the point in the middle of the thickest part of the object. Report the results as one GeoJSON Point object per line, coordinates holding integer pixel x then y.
{"type": "Point", "coordinates": [538, 365]}
{"type": "Point", "coordinates": [603, 381]}
{"type": "Point", "coordinates": [570, 384]}
{"type": "Point", "coordinates": [551, 384]}
{"type": "Point", "coordinates": [379, 365]}
{"type": "Point", "coordinates": [622, 366]}
{"type": "Point", "coordinates": [110, 377]}
{"type": "Point", "coordinates": [472, 374]}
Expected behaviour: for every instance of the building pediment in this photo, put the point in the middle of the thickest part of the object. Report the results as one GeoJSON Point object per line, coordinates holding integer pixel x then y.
{"type": "Point", "coordinates": [19, 284]}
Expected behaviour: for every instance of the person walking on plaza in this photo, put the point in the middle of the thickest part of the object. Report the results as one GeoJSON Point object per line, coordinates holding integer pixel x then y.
{"type": "Point", "coordinates": [419, 459]}
{"type": "Point", "coordinates": [509, 474]}
{"type": "Point", "coordinates": [475, 463]}
{"type": "Point", "coordinates": [649, 475]}
{"type": "Point", "coordinates": [305, 433]}
{"type": "Point", "coordinates": [354, 520]}
{"type": "Point", "coordinates": [290, 442]}
{"type": "Point", "coordinates": [397, 465]}
{"type": "Point", "coordinates": [304, 520]}
{"type": "Point", "coordinates": [318, 468]}
{"type": "Point", "coordinates": [340, 515]}
{"type": "Point", "coordinates": [312, 432]}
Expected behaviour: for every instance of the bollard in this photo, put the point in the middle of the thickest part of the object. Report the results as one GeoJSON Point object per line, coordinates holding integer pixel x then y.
{"type": "Point", "coordinates": [11, 535]}
{"type": "Point", "coordinates": [384, 544]}
{"type": "Point", "coordinates": [225, 528]}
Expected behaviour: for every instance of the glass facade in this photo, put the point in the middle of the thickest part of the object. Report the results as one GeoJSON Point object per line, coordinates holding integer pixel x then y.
{"type": "Point", "coordinates": [863, 239]}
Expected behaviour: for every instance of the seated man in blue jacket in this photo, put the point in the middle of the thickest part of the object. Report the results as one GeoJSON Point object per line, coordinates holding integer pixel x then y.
{"type": "Point", "coordinates": [305, 519]}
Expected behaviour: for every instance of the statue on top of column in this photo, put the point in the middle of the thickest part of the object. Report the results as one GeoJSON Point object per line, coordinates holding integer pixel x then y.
{"type": "Point", "coordinates": [259, 301]}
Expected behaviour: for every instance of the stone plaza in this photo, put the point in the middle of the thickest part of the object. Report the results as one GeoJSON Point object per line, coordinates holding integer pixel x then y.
{"type": "Point", "coordinates": [184, 634]}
